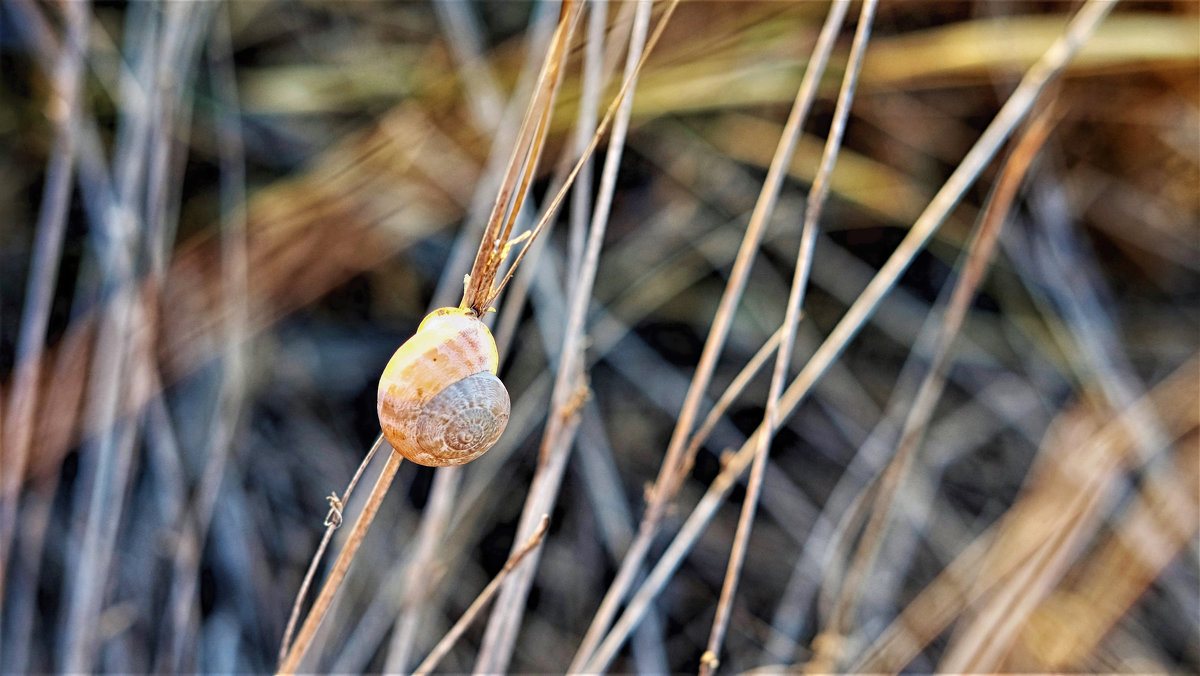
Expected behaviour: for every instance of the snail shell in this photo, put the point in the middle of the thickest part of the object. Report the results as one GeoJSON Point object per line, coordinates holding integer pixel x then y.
{"type": "Point", "coordinates": [440, 402]}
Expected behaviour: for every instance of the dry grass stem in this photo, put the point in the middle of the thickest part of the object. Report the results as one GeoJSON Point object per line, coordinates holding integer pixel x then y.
{"type": "Point", "coordinates": [443, 646]}
{"type": "Point", "coordinates": [332, 522]}
{"type": "Point", "coordinates": [420, 592]}
{"type": "Point", "coordinates": [670, 473]}
{"type": "Point", "coordinates": [563, 420]}
{"type": "Point", "coordinates": [333, 581]}
{"type": "Point", "coordinates": [808, 238]}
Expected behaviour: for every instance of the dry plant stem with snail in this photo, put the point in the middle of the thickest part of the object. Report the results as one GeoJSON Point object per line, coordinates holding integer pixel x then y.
{"type": "Point", "coordinates": [460, 333]}
{"type": "Point", "coordinates": [502, 120]}
{"type": "Point", "coordinates": [570, 383]}
{"type": "Point", "coordinates": [440, 402]}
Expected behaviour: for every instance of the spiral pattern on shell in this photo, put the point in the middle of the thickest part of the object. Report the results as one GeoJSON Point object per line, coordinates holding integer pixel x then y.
{"type": "Point", "coordinates": [463, 420]}
{"type": "Point", "coordinates": [440, 402]}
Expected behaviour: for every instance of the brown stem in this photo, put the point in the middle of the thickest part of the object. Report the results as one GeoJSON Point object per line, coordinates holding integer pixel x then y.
{"type": "Point", "coordinates": [321, 605]}
{"type": "Point", "coordinates": [479, 292]}
{"type": "Point", "coordinates": [332, 523]}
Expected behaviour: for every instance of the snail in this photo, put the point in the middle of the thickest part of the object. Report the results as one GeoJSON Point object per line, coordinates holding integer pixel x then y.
{"type": "Point", "coordinates": [440, 402]}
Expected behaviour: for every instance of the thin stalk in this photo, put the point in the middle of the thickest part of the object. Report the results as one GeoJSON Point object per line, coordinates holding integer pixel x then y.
{"type": "Point", "coordinates": [506, 129]}
{"type": "Point", "coordinates": [808, 238]}
{"type": "Point", "coordinates": [600, 130]}
{"type": "Point", "coordinates": [332, 522]}
{"type": "Point", "coordinates": [480, 292]}
{"type": "Point", "coordinates": [64, 109]}
{"type": "Point", "coordinates": [311, 623]}
{"type": "Point", "coordinates": [443, 647]}
{"type": "Point", "coordinates": [730, 395]}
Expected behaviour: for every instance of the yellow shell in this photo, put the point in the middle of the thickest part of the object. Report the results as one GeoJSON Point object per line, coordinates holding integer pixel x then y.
{"type": "Point", "coordinates": [440, 402]}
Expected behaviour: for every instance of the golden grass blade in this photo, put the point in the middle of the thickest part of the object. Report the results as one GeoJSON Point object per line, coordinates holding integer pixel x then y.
{"type": "Point", "coordinates": [976, 48]}
{"type": "Point", "coordinates": [480, 293]}
{"type": "Point", "coordinates": [990, 561]}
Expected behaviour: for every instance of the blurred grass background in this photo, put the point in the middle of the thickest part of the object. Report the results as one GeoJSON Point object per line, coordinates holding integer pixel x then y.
{"type": "Point", "coordinates": [222, 218]}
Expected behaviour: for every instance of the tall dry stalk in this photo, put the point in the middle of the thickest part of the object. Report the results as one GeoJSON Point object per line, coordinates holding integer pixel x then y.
{"type": "Point", "coordinates": [479, 295]}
